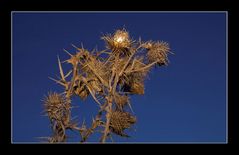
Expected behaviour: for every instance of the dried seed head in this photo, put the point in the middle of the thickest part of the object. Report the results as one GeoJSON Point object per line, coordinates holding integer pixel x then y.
{"type": "Point", "coordinates": [93, 67]}
{"type": "Point", "coordinates": [120, 121]}
{"type": "Point", "coordinates": [158, 52]}
{"type": "Point", "coordinates": [121, 39]}
{"type": "Point", "coordinates": [56, 106]}
{"type": "Point", "coordinates": [119, 42]}
{"type": "Point", "coordinates": [58, 110]}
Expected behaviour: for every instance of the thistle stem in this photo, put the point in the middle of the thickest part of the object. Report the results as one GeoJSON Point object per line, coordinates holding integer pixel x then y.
{"type": "Point", "coordinates": [107, 125]}
{"type": "Point", "coordinates": [143, 68]}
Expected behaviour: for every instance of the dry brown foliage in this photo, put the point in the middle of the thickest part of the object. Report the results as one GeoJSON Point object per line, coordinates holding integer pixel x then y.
{"type": "Point", "coordinates": [109, 79]}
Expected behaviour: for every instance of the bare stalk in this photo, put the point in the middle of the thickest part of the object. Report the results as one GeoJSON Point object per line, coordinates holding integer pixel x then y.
{"type": "Point", "coordinates": [107, 125]}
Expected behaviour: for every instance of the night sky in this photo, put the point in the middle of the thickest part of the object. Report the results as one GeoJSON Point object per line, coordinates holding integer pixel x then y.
{"type": "Point", "coordinates": [183, 102]}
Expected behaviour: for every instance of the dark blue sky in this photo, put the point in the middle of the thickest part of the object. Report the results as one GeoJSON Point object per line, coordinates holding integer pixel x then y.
{"type": "Point", "coordinates": [183, 102]}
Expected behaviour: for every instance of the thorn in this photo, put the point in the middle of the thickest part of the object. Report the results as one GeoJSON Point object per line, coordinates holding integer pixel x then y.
{"type": "Point", "coordinates": [44, 115]}
{"type": "Point", "coordinates": [67, 52]}
{"type": "Point", "coordinates": [61, 71]}
{"type": "Point", "coordinates": [58, 77]}
{"type": "Point", "coordinates": [130, 107]}
{"type": "Point", "coordinates": [65, 61]}
{"type": "Point", "coordinates": [68, 73]}
{"type": "Point", "coordinates": [83, 121]}
{"type": "Point", "coordinates": [74, 46]}
{"type": "Point", "coordinates": [82, 46]}
{"type": "Point", "coordinates": [62, 93]}
{"type": "Point", "coordinates": [57, 81]}
{"type": "Point", "coordinates": [93, 120]}
{"type": "Point", "coordinates": [171, 52]}
{"type": "Point", "coordinates": [74, 117]}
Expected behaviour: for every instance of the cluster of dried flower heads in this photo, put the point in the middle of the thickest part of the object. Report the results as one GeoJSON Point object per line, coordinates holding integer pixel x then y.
{"type": "Point", "coordinates": [109, 76]}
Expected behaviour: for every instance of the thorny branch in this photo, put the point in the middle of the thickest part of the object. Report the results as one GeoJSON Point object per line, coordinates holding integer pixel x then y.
{"type": "Point", "coordinates": [109, 76]}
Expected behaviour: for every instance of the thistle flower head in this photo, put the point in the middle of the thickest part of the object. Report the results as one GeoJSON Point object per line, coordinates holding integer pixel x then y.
{"type": "Point", "coordinates": [56, 106]}
{"type": "Point", "coordinates": [158, 52]}
{"type": "Point", "coordinates": [120, 121]}
{"type": "Point", "coordinates": [119, 41]}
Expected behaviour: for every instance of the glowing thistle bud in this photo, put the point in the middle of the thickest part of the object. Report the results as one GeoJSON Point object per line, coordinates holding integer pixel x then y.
{"type": "Point", "coordinates": [121, 39]}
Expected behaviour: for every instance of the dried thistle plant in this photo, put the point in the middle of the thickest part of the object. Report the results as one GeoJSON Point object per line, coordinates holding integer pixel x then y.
{"type": "Point", "coordinates": [110, 77]}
